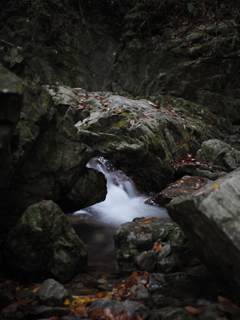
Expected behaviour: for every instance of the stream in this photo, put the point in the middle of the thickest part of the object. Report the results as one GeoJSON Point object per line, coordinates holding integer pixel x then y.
{"type": "Point", "coordinates": [96, 224]}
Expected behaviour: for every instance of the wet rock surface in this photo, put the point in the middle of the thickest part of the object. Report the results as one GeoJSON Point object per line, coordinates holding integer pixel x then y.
{"type": "Point", "coordinates": [210, 219]}
{"type": "Point", "coordinates": [185, 185]}
{"type": "Point", "coordinates": [43, 244]}
{"type": "Point", "coordinates": [151, 244]}
{"type": "Point", "coordinates": [139, 134]}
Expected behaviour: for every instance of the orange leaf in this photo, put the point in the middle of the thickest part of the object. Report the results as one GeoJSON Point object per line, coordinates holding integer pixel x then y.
{"type": "Point", "coordinates": [157, 247]}
{"type": "Point", "coordinates": [67, 302]}
{"type": "Point", "coordinates": [146, 222]}
{"type": "Point", "coordinates": [216, 186]}
{"type": "Point", "coordinates": [140, 119]}
{"type": "Point", "coordinates": [106, 103]}
{"type": "Point", "coordinates": [147, 218]}
{"type": "Point", "coordinates": [101, 294]}
{"type": "Point", "coordinates": [193, 310]}
{"type": "Point", "coordinates": [142, 232]}
{"type": "Point", "coordinates": [118, 111]}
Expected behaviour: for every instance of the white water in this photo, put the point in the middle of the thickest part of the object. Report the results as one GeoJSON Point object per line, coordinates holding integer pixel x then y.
{"type": "Point", "coordinates": [122, 203]}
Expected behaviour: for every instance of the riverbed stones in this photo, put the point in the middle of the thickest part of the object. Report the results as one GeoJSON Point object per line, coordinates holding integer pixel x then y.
{"type": "Point", "coordinates": [43, 244]}
{"type": "Point", "coordinates": [151, 244]}
{"type": "Point", "coordinates": [131, 307]}
{"type": "Point", "coordinates": [210, 217]}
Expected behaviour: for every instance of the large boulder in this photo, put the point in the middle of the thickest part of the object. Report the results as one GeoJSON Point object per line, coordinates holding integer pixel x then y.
{"type": "Point", "coordinates": [151, 244]}
{"type": "Point", "coordinates": [43, 244]}
{"type": "Point", "coordinates": [140, 136]}
{"type": "Point", "coordinates": [49, 161]}
{"type": "Point", "coordinates": [210, 218]}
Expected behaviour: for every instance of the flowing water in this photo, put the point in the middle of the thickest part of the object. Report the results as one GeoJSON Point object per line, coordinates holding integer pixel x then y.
{"type": "Point", "coordinates": [95, 225]}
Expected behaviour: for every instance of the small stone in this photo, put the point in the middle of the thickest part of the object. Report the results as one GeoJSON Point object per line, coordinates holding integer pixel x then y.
{"type": "Point", "coordinates": [52, 293]}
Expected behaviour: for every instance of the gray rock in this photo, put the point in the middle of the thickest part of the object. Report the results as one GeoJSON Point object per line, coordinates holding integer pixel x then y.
{"type": "Point", "coordinates": [170, 313]}
{"type": "Point", "coordinates": [183, 186]}
{"type": "Point", "coordinates": [221, 155]}
{"type": "Point", "coordinates": [43, 244]}
{"type": "Point", "coordinates": [52, 293]}
{"type": "Point", "coordinates": [210, 218]}
{"type": "Point", "coordinates": [131, 307]}
{"type": "Point", "coordinates": [152, 245]}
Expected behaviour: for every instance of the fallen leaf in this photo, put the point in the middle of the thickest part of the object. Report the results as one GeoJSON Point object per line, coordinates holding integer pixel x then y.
{"type": "Point", "coordinates": [199, 193]}
{"type": "Point", "coordinates": [226, 305]}
{"type": "Point", "coordinates": [80, 106]}
{"type": "Point", "coordinates": [101, 294]}
{"type": "Point", "coordinates": [45, 200]}
{"type": "Point", "coordinates": [77, 88]}
{"type": "Point", "coordinates": [151, 103]}
{"type": "Point", "coordinates": [193, 310]}
{"type": "Point", "coordinates": [140, 119]}
{"type": "Point", "coordinates": [157, 247]}
{"type": "Point", "coordinates": [142, 232]}
{"type": "Point", "coordinates": [147, 218]}
{"type": "Point", "coordinates": [66, 302]}
{"type": "Point", "coordinates": [216, 186]}
{"type": "Point", "coordinates": [146, 222]}
{"type": "Point", "coordinates": [118, 111]}
{"type": "Point", "coordinates": [106, 103]}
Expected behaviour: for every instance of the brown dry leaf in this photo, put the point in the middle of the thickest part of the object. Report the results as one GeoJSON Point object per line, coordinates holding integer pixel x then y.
{"type": "Point", "coordinates": [77, 88]}
{"type": "Point", "coordinates": [179, 144]}
{"type": "Point", "coordinates": [227, 305]}
{"type": "Point", "coordinates": [140, 119]}
{"type": "Point", "coordinates": [87, 108]}
{"type": "Point", "coordinates": [106, 103]}
{"type": "Point", "coordinates": [123, 315]}
{"type": "Point", "coordinates": [101, 107]}
{"type": "Point", "coordinates": [45, 200]}
{"type": "Point", "coordinates": [145, 114]}
{"type": "Point", "coordinates": [118, 111]}
{"type": "Point", "coordinates": [54, 318]}
{"type": "Point", "coordinates": [157, 247]}
{"type": "Point", "coordinates": [146, 222]}
{"type": "Point", "coordinates": [193, 310]}
{"type": "Point", "coordinates": [147, 218]}
{"type": "Point", "coordinates": [142, 232]}
{"type": "Point", "coordinates": [216, 186]}
{"type": "Point", "coordinates": [34, 289]}
{"type": "Point", "coordinates": [182, 191]}
{"type": "Point", "coordinates": [80, 106]}
{"type": "Point", "coordinates": [101, 294]}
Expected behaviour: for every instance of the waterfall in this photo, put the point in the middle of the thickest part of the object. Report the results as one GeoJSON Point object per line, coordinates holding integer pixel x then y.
{"type": "Point", "coordinates": [122, 203]}
{"type": "Point", "coordinates": [96, 224]}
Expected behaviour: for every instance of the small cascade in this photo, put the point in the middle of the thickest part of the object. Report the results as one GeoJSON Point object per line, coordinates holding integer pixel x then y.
{"type": "Point", "coordinates": [96, 224]}
{"type": "Point", "coordinates": [123, 203]}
